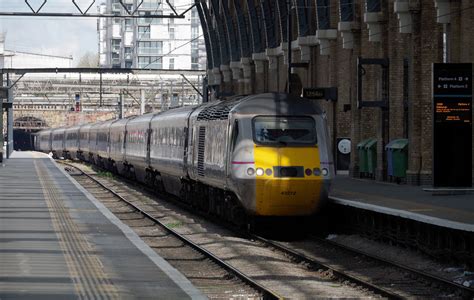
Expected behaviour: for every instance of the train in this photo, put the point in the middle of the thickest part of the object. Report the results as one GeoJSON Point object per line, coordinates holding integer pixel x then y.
{"type": "Point", "coordinates": [257, 156]}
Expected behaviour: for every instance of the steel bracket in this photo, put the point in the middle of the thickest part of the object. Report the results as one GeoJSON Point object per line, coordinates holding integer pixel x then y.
{"type": "Point", "coordinates": [33, 10]}
{"type": "Point", "coordinates": [128, 11]}
{"type": "Point", "coordinates": [80, 10]}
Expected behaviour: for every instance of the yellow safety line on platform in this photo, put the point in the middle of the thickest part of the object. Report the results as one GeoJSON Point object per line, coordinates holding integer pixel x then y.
{"type": "Point", "coordinates": [85, 268]}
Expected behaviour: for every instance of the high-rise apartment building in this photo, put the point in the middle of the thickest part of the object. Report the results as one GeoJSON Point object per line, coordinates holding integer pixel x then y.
{"type": "Point", "coordinates": [151, 43]}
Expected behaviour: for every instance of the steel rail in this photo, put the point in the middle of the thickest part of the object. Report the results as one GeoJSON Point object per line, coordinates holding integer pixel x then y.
{"type": "Point", "coordinates": [266, 293]}
{"type": "Point", "coordinates": [468, 291]}
{"type": "Point", "coordinates": [339, 273]}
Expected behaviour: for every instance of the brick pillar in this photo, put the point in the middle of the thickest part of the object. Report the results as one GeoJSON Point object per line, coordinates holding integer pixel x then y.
{"type": "Point", "coordinates": [426, 50]}
{"type": "Point", "coordinates": [282, 74]}
{"type": "Point", "coordinates": [273, 69]}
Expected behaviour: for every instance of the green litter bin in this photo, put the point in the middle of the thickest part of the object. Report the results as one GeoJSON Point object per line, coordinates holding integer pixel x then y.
{"type": "Point", "coordinates": [363, 168]}
{"type": "Point", "coordinates": [371, 150]}
{"type": "Point", "coordinates": [399, 149]}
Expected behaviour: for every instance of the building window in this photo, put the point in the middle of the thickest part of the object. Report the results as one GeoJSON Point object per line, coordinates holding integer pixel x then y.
{"type": "Point", "coordinates": [171, 21]}
{"type": "Point", "coordinates": [116, 45]}
{"type": "Point", "coordinates": [153, 47]}
{"type": "Point", "coordinates": [115, 58]}
{"type": "Point", "coordinates": [151, 4]}
{"type": "Point", "coordinates": [150, 21]}
{"type": "Point", "coordinates": [194, 32]}
{"type": "Point", "coordinates": [171, 65]}
{"type": "Point", "coordinates": [128, 64]}
{"type": "Point", "coordinates": [116, 7]}
{"type": "Point", "coordinates": [150, 62]}
{"type": "Point", "coordinates": [195, 63]}
{"type": "Point", "coordinates": [143, 32]}
{"type": "Point", "coordinates": [128, 53]}
{"type": "Point", "coordinates": [194, 48]}
{"type": "Point", "coordinates": [128, 25]}
{"type": "Point", "coordinates": [171, 33]}
{"type": "Point", "coordinates": [195, 17]}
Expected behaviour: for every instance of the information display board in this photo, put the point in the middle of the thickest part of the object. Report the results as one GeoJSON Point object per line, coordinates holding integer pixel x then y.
{"type": "Point", "coordinates": [452, 125]}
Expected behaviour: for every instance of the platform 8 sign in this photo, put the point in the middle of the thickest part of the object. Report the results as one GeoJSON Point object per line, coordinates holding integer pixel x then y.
{"type": "Point", "coordinates": [452, 125]}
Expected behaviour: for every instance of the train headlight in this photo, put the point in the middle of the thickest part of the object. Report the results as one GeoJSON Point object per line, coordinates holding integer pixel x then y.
{"type": "Point", "coordinates": [250, 171]}
{"type": "Point", "coordinates": [268, 172]}
{"type": "Point", "coordinates": [317, 171]}
{"type": "Point", "coordinates": [325, 172]}
{"type": "Point", "coordinates": [308, 172]}
{"type": "Point", "coordinates": [260, 172]}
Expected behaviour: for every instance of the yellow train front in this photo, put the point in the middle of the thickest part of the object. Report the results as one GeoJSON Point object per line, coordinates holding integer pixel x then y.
{"type": "Point", "coordinates": [281, 162]}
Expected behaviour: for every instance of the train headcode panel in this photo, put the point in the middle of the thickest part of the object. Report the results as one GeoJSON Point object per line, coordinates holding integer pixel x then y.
{"type": "Point", "coordinates": [452, 125]}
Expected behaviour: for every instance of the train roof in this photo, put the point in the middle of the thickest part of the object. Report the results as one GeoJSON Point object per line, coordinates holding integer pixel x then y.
{"type": "Point", "coordinates": [76, 127]}
{"type": "Point", "coordinates": [142, 119]}
{"type": "Point", "coordinates": [45, 131]}
{"type": "Point", "coordinates": [260, 104]}
{"type": "Point", "coordinates": [121, 122]}
{"type": "Point", "coordinates": [59, 130]}
{"type": "Point", "coordinates": [276, 103]}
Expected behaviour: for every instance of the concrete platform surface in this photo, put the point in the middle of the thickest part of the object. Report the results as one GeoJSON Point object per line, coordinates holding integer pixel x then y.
{"type": "Point", "coordinates": [58, 242]}
{"type": "Point", "coordinates": [454, 211]}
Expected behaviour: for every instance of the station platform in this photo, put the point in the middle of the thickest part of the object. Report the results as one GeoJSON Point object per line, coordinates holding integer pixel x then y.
{"type": "Point", "coordinates": [445, 208]}
{"type": "Point", "coordinates": [58, 242]}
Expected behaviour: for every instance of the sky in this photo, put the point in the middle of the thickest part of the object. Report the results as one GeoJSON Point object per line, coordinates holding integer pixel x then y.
{"type": "Point", "coordinates": [46, 35]}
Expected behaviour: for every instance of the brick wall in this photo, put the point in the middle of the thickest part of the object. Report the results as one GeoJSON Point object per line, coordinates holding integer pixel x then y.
{"type": "Point", "coordinates": [418, 50]}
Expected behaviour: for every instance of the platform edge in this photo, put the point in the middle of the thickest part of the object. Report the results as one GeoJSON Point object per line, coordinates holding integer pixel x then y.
{"type": "Point", "coordinates": [177, 277]}
{"type": "Point", "coordinates": [405, 214]}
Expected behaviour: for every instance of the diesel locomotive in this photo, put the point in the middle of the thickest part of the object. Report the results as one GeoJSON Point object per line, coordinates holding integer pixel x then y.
{"type": "Point", "coordinates": [264, 155]}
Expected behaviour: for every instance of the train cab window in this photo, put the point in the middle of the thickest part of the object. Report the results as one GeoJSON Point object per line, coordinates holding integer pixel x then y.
{"type": "Point", "coordinates": [283, 131]}
{"type": "Point", "coordinates": [235, 134]}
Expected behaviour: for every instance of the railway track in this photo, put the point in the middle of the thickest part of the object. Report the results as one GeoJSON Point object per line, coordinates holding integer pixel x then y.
{"type": "Point", "coordinates": [378, 275]}
{"type": "Point", "coordinates": [458, 289]}
{"type": "Point", "coordinates": [227, 281]}
{"type": "Point", "coordinates": [357, 268]}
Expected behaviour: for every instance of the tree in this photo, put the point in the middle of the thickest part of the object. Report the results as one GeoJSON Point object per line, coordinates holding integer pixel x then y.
{"type": "Point", "coordinates": [89, 60]}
